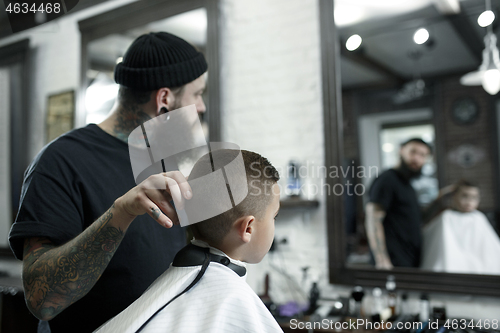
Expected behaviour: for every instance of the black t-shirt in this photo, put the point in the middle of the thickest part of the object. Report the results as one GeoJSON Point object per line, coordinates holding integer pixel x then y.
{"type": "Point", "coordinates": [402, 223]}
{"type": "Point", "coordinates": [70, 184]}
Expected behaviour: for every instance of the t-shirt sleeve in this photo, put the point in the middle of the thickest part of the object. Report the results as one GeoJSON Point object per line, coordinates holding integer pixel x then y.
{"type": "Point", "coordinates": [381, 191]}
{"type": "Point", "coordinates": [48, 205]}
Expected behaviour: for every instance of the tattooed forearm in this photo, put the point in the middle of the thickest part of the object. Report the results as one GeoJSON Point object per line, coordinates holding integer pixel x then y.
{"type": "Point", "coordinates": [55, 277]}
{"type": "Point", "coordinates": [375, 232]}
{"type": "Point", "coordinates": [380, 248]}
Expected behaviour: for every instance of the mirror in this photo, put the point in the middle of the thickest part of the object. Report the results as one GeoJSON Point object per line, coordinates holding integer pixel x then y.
{"type": "Point", "coordinates": [389, 89]}
{"type": "Point", "coordinates": [13, 120]}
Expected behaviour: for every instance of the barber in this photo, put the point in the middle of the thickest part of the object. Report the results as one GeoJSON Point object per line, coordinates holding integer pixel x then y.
{"type": "Point", "coordinates": [84, 261]}
{"type": "Point", "coordinates": [393, 215]}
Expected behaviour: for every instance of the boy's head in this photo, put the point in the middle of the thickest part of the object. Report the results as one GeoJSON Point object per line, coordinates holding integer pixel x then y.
{"type": "Point", "coordinates": [466, 196]}
{"type": "Point", "coordinates": [246, 231]}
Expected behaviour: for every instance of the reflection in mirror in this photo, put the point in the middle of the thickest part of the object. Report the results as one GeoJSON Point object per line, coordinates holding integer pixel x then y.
{"type": "Point", "coordinates": [433, 202]}
{"type": "Point", "coordinates": [104, 53]}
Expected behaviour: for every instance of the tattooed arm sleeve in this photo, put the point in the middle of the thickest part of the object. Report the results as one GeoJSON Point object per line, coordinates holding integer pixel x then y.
{"type": "Point", "coordinates": [54, 277]}
{"type": "Point", "coordinates": [376, 237]}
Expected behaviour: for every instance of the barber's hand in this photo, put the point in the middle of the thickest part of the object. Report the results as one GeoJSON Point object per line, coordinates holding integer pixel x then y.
{"type": "Point", "coordinates": [384, 264]}
{"type": "Point", "coordinates": [153, 197]}
{"type": "Point", "coordinates": [447, 190]}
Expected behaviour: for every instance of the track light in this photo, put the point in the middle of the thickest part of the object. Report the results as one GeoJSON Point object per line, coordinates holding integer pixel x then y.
{"type": "Point", "coordinates": [353, 42]}
{"type": "Point", "coordinates": [421, 36]}
{"type": "Point", "coordinates": [486, 18]}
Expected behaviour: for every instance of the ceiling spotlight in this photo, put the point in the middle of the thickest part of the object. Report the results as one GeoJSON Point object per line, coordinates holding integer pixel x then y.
{"type": "Point", "coordinates": [486, 18]}
{"type": "Point", "coordinates": [353, 42]}
{"type": "Point", "coordinates": [421, 36]}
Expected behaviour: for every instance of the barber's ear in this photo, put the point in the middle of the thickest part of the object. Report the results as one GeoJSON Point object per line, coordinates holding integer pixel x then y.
{"type": "Point", "coordinates": [245, 227]}
{"type": "Point", "coordinates": [164, 100]}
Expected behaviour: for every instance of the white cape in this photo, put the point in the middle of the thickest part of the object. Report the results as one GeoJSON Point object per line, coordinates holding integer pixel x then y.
{"type": "Point", "coordinates": [458, 242]}
{"type": "Point", "coordinates": [222, 301]}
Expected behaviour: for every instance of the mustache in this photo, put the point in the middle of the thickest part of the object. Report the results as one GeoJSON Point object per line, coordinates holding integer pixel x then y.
{"type": "Point", "coordinates": [407, 171]}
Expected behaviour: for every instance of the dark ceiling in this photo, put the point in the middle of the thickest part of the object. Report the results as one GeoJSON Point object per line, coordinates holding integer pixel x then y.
{"type": "Point", "coordinates": [389, 55]}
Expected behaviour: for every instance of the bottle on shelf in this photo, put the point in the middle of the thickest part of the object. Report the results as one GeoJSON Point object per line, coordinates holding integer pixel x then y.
{"type": "Point", "coordinates": [313, 297]}
{"type": "Point", "coordinates": [293, 186]}
{"type": "Point", "coordinates": [378, 304]}
{"type": "Point", "coordinates": [405, 305]}
{"type": "Point", "coordinates": [424, 308]}
{"type": "Point", "coordinates": [357, 295]}
{"type": "Point", "coordinates": [392, 297]}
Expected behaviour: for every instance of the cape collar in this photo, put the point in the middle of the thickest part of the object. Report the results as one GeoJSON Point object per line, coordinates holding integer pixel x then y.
{"type": "Point", "coordinates": [194, 255]}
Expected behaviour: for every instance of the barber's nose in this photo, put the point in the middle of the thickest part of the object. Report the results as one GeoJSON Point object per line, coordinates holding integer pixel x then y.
{"type": "Point", "coordinates": [201, 108]}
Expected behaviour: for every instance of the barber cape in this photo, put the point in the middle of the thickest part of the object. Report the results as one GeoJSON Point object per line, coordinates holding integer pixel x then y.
{"type": "Point", "coordinates": [221, 301]}
{"type": "Point", "coordinates": [458, 242]}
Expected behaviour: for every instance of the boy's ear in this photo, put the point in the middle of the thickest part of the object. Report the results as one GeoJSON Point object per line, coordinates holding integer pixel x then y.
{"type": "Point", "coordinates": [245, 227]}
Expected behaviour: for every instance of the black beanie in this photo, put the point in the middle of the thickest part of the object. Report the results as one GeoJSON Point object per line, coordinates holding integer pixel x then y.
{"type": "Point", "coordinates": [159, 60]}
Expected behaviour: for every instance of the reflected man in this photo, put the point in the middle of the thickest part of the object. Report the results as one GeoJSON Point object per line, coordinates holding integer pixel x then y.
{"type": "Point", "coordinates": [393, 216]}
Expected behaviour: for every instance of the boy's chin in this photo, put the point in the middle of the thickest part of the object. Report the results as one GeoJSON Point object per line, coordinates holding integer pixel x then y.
{"type": "Point", "coordinates": [254, 260]}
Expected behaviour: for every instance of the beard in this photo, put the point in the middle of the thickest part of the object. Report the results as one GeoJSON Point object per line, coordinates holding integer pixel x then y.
{"type": "Point", "coordinates": [406, 171]}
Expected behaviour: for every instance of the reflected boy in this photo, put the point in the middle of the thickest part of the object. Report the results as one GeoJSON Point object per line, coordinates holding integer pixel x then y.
{"type": "Point", "coordinates": [461, 239]}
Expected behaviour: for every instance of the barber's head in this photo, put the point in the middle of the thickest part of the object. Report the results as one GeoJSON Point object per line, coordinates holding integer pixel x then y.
{"type": "Point", "coordinates": [161, 72]}
{"type": "Point", "coordinates": [466, 196]}
{"type": "Point", "coordinates": [414, 154]}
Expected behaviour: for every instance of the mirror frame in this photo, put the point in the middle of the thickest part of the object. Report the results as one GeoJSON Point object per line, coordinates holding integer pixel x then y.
{"type": "Point", "coordinates": [10, 54]}
{"type": "Point", "coordinates": [406, 279]}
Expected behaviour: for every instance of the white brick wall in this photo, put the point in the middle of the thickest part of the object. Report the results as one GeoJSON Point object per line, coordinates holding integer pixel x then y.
{"type": "Point", "coordinates": [271, 104]}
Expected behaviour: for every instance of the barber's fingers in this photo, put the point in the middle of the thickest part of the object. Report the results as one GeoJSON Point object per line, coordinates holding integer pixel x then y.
{"type": "Point", "coordinates": [155, 189]}
{"type": "Point", "coordinates": [166, 207]}
{"type": "Point", "coordinates": [175, 192]}
{"type": "Point", "coordinates": [161, 187]}
{"type": "Point", "coordinates": [156, 213]}
{"type": "Point", "coordinates": [182, 183]}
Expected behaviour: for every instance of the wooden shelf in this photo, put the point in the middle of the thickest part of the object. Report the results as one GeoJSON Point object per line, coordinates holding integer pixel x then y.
{"type": "Point", "coordinates": [298, 203]}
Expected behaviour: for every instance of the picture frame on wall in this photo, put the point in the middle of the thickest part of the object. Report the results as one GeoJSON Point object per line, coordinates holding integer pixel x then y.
{"type": "Point", "coordinates": [60, 114]}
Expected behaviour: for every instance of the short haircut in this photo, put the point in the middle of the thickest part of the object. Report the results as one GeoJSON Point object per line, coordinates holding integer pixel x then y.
{"type": "Point", "coordinates": [261, 175]}
{"type": "Point", "coordinates": [138, 97]}
{"type": "Point", "coordinates": [417, 140]}
{"type": "Point", "coordinates": [464, 183]}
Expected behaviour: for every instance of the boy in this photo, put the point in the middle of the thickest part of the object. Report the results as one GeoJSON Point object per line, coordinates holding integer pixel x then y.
{"type": "Point", "coordinates": [221, 300]}
{"type": "Point", "coordinates": [465, 197]}
{"type": "Point", "coordinates": [461, 239]}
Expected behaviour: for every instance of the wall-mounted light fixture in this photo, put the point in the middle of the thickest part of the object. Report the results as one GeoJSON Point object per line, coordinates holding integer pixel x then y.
{"type": "Point", "coordinates": [488, 74]}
